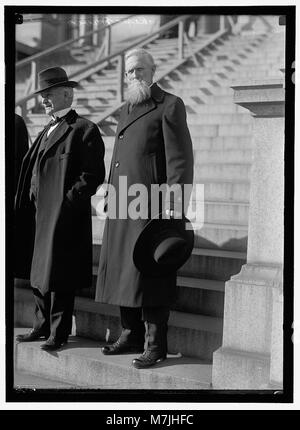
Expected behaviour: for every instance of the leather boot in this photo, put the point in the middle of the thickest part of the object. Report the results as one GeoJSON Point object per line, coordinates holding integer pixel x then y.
{"type": "Point", "coordinates": [156, 350]}
{"type": "Point", "coordinates": [34, 334]}
{"type": "Point", "coordinates": [125, 344]}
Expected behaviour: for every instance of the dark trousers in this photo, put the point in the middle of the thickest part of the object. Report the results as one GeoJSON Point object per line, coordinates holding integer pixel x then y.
{"type": "Point", "coordinates": [53, 314]}
{"type": "Point", "coordinates": [147, 322]}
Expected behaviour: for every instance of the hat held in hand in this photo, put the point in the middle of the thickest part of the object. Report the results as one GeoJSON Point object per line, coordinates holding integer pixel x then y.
{"type": "Point", "coordinates": [53, 77]}
{"type": "Point", "coordinates": [163, 246]}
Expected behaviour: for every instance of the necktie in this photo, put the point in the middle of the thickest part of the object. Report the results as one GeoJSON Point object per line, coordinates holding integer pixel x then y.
{"type": "Point", "coordinates": [54, 121]}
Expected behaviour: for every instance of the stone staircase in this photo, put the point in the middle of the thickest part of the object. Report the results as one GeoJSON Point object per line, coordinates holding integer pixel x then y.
{"type": "Point", "coordinates": [222, 139]}
{"type": "Point", "coordinates": [71, 58]}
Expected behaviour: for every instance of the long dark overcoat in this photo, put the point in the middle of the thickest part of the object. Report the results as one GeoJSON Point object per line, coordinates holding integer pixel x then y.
{"type": "Point", "coordinates": [152, 146]}
{"type": "Point", "coordinates": [54, 243]}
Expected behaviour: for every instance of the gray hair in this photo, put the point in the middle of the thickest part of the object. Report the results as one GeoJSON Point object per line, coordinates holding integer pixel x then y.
{"type": "Point", "coordinates": [70, 93]}
{"type": "Point", "coordinates": [141, 53]}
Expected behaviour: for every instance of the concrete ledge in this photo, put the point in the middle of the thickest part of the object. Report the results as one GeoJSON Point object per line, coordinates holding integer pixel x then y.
{"type": "Point", "coordinates": [81, 363]}
{"type": "Point", "coordinates": [189, 334]}
{"type": "Point", "coordinates": [28, 381]}
{"type": "Point", "coordinates": [233, 369]}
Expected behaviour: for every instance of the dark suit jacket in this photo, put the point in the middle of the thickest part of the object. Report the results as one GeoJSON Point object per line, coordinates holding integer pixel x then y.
{"type": "Point", "coordinates": [58, 250]}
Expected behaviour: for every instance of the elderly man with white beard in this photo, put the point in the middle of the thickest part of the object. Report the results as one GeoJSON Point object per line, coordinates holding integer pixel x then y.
{"type": "Point", "coordinates": [152, 146]}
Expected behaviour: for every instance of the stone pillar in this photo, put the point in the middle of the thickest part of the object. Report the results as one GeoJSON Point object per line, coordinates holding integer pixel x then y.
{"type": "Point", "coordinates": [251, 353]}
{"type": "Point", "coordinates": [76, 24]}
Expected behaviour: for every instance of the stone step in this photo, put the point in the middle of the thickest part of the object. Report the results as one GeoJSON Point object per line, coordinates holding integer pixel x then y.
{"type": "Point", "coordinates": [94, 93]}
{"type": "Point", "coordinates": [190, 334]}
{"type": "Point", "coordinates": [255, 75]}
{"type": "Point", "coordinates": [105, 78]}
{"type": "Point", "coordinates": [207, 84]}
{"type": "Point", "coordinates": [204, 263]}
{"type": "Point", "coordinates": [162, 52]}
{"type": "Point", "coordinates": [269, 52]}
{"type": "Point", "coordinates": [224, 78]}
{"type": "Point", "coordinates": [245, 70]}
{"type": "Point", "coordinates": [242, 130]}
{"type": "Point", "coordinates": [194, 107]}
{"type": "Point", "coordinates": [193, 118]}
{"type": "Point", "coordinates": [240, 155]}
{"type": "Point", "coordinates": [208, 88]}
{"type": "Point", "coordinates": [214, 212]}
{"type": "Point", "coordinates": [81, 364]}
{"type": "Point", "coordinates": [233, 72]}
{"type": "Point", "coordinates": [221, 171]}
{"type": "Point", "coordinates": [167, 42]}
{"type": "Point", "coordinates": [216, 99]}
{"type": "Point", "coordinates": [236, 213]}
{"type": "Point", "coordinates": [239, 66]}
{"type": "Point", "coordinates": [205, 125]}
{"type": "Point", "coordinates": [231, 191]}
{"type": "Point", "coordinates": [232, 51]}
{"type": "Point", "coordinates": [222, 143]}
{"type": "Point", "coordinates": [193, 90]}
{"type": "Point", "coordinates": [211, 235]}
{"type": "Point", "coordinates": [202, 74]}
{"type": "Point", "coordinates": [29, 381]}
{"type": "Point", "coordinates": [212, 266]}
{"type": "Point", "coordinates": [222, 190]}
{"type": "Point", "coordinates": [214, 144]}
{"type": "Point", "coordinates": [97, 85]}
{"type": "Point", "coordinates": [222, 118]}
{"type": "Point", "coordinates": [222, 236]}
{"type": "Point", "coordinates": [244, 61]}
{"type": "Point", "coordinates": [195, 296]}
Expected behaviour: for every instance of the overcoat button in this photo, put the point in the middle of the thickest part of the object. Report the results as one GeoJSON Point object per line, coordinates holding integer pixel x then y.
{"type": "Point", "coordinates": [121, 136]}
{"type": "Point", "coordinates": [117, 164]}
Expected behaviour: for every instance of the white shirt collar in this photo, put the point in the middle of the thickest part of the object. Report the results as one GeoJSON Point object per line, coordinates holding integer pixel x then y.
{"type": "Point", "coordinates": [61, 113]}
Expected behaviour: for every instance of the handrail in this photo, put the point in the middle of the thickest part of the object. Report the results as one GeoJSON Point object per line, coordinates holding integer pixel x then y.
{"type": "Point", "coordinates": [237, 28]}
{"type": "Point", "coordinates": [120, 55]}
{"type": "Point", "coordinates": [135, 44]}
{"type": "Point", "coordinates": [57, 47]}
{"type": "Point", "coordinates": [114, 56]}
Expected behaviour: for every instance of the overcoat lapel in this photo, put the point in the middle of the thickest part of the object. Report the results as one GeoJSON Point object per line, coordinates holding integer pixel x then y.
{"type": "Point", "coordinates": [60, 132]}
{"type": "Point", "coordinates": [136, 113]}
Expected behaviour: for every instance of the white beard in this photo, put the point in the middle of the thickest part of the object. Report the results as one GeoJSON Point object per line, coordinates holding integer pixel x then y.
{"type": "Point", "coordinates": [137, 92]}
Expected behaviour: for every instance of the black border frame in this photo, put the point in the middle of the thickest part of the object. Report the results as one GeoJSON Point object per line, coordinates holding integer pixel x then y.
{"type": "Point", "coordinates": [190, 396]}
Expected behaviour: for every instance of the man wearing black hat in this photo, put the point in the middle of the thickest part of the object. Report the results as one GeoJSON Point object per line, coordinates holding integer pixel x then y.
{"type": "Point", "coordinates": [53, 242]}
{"type": "Point", "coordinates": [139, 257]}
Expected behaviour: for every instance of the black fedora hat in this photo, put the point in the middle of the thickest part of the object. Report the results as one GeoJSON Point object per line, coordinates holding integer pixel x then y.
{"type": "Point", "coordinates": [163, 246]}
{"type": "Point", "coordinates": [53, 77]}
